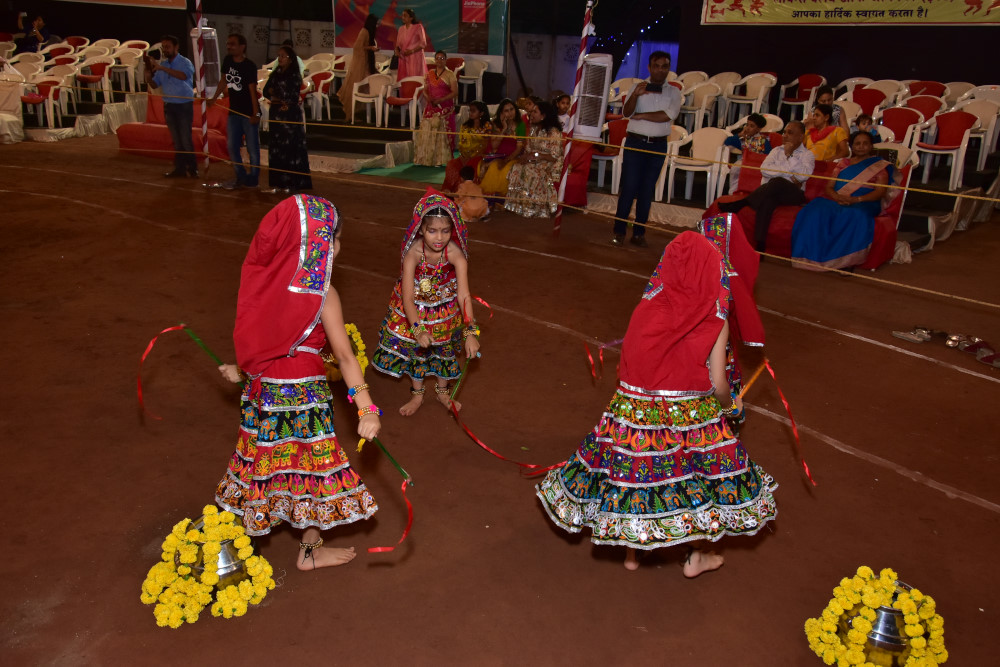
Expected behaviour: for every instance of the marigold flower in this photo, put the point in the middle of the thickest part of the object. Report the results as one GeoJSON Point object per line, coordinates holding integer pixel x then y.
{"type": "Point", "coordinates": [865, 572]}
{"type": "Point", "coordinates": [914, 630]}
{"type": "Point", "coordinates": [208, 510]}
{"type": "Point", "coordinates": [227, 517]}
{"type": "Point", "coordinates": [918, 642]}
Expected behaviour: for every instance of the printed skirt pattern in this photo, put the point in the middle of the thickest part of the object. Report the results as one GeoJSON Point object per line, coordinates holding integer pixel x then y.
{"type": "Point", "coordinates": [659, 471]}
{"type": "Point", "coordinates": [398, 353]}
{"type": "Point", "coordinates": [288, 465]}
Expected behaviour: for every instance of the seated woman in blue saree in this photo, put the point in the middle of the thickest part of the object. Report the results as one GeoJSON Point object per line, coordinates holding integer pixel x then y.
{"type": "Point", "coordinates": [836, 231]}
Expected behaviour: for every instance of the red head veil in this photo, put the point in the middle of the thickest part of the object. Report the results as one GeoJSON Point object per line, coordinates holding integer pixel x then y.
{"type": "Point", "coordinates": [435, 203]}
{"type": "Point", "coordinates": [284, 281]}
{"type": "Point", "coordinates": [674, 327]}
{"type": "Point", "coordinates": [742, 264]}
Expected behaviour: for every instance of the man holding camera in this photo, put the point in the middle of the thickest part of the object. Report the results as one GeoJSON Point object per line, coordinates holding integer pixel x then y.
{"type": "Point", "coordinates": [174, 75]}
{"type": "Point", "coordinates": [651, 107]}
{"type": "Point", "coordinates": [35, 33]}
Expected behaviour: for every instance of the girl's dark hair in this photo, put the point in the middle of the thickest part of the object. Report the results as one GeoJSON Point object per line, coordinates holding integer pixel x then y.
{"type": "Point", "coordinates": [413, 15]}
{"type": "Point", "coordinates": [825, 109]}
{"type": "Point", "coordinates": [443, 53]}
{"type": "Point", "coordinates": [291, 53]}
{"type": "Point", "coordinates": [550, 117]}
{"type": "Point", "coordinates": [558, 98]}
{"type": "Point", "coordinates": [371, 24]}
{"type": "Point", "coordinates": [824, 90]}
{"type": "Point", "coordinates": [504, 102]}
{"type": "Point", "coordinates": [484, 113]}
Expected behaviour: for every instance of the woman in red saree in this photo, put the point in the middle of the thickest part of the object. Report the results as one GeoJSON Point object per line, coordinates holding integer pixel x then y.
{"type": "Point", "coordinates": [434, 140]}
{"type": "Point", "coordinates": [288, 464]}
{"type": "Point", "coordinates": [663, 466]}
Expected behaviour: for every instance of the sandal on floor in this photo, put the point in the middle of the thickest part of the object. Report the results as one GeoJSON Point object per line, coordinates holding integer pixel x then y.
{"type": "Point", "coordinates": [918, 334]}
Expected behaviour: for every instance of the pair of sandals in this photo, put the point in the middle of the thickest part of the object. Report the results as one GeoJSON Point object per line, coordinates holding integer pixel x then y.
{"type": "Point", "coordinates": [984, 352]}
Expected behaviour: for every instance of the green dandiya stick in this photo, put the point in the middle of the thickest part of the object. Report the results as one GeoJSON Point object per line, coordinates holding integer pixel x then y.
{"type": "Point", "coordinates": [201, 344]}
{"type": "Point", "coordinates": [385, 451]}
{"type": "Point", "coordinates": [460, 378]}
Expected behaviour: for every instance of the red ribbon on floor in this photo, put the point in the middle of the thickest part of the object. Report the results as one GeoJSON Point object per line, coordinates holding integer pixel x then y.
{"type": "Point", "coordinates": [528, 469]}
{"type": "Point", "coordinates": [142, 360]}
{"type": "Point", "coordinates": [590, 358]}
{"type": "Point", "coordinates": [482, 301]}
{"type": "Point", "coordinates": [795, 429]}
{"type": "Point", "coordinates": [409, 524]}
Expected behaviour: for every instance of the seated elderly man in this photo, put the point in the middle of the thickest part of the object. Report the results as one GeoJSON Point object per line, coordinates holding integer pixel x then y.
{"type": "Point", "coordinates": [783, 175]}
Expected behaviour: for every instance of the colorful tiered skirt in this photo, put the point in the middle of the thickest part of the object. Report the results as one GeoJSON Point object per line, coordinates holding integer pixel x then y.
{"type": "Point", "coordinates": [288, 465]}
{"type": "Point", "coordinates": [659, 471]}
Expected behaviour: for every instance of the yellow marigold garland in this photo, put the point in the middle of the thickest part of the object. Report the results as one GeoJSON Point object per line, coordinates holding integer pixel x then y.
{"type": "Point", "coordinates": [332, 369]}
{"type": "Point", "coordinates": [857, 598]}
{"type": "Point", "coordinates": [180, 596]}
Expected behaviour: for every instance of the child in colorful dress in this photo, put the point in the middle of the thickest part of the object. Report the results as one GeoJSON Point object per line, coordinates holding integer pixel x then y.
{"type": "Point", "coordinates": [288, 465]}
{"type": "Point", "coordinates": [469, 197]}
{"type": "Point", "coordinates": [430, 311]}
{"type": "Point", "coordinates": [663, 466]}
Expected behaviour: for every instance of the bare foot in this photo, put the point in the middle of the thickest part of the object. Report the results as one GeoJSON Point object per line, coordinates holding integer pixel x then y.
{"type": "Point", "coordinates": [445, 399]}
{"type": "Point", "coordinates": [701, 561]}
{"type": "Point", "coordinates": [631, 559]}
{"type": "Point", "coordinates": [411, 405]}
{"type": "Point", "coordinates": [325, 557]}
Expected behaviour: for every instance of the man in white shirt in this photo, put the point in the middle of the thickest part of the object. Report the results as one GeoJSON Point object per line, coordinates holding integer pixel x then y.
{"type": "Point", "coordinates": [784, 173]}
{"type": "Point", "coordinates": [651, 108]}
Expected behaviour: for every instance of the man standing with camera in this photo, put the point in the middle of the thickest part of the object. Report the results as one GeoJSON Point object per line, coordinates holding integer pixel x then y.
{"type": "Point", "coordinates": [35, 33]}
{"type": "Point", "coordinates": [174, 75]}
{"type": "Point", "coordinates": [240, 75]}
{"type": "Point", "coordinates": [651, 107]}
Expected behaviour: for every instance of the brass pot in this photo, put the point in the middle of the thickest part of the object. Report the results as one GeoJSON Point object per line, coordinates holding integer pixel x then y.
{"type": "Point", "coordinates": [231, 569]}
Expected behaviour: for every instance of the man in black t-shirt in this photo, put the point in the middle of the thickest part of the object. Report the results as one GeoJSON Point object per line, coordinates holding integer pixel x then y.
{"type": "Point", "coordinates": [239, 74]}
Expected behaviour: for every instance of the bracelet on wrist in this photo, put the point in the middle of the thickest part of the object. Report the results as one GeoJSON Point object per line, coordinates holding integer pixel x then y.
{"type": "Point", "coordinates": [353, 391]}
{"type": "Point", "coordinates": [472, 329]}
{"type": "Point", "coordinates": [418, 329]}
{"type": "Point", "coordinates": [370, 410]}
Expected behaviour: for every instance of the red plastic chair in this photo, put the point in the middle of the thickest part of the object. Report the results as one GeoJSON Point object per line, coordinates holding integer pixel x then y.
{"type": "Point", "coordinates": [404, 100]}
{"type": "Point", "coordinates": [902, 121]}
{"type": "Point", "coordinates": [320, 95]}
{"type": "Point", "coordinates": [77, 42]}
{"type": "Point", "coordinates": [99, 75]}
{"type": "Point", "coordinates": [46, 99]}
{"type": "Point", "coordinates": [933, 88]}
{"type": "Point", "coordinates": [804, 96]}
{"type": "Point", "coordinates": [927, 105]}
{"type": "Point", "coordinates": [953, 130]}
{"type": "Point", "coordinates": [59, 51]}
{"type": "Point", "coordinates": [456, 65]}
{"type": "Point", "coordinates": [616, 136]}
{"type": "Point", "coordinates": [6, 37]}
{"type": "Point", "coordinates": [869, 99]}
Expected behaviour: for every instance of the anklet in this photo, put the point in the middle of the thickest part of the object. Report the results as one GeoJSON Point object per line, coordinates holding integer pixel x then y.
{"type": "Point", "coordinates": [418, 392]}
{"type": "Point", "coordinates": [353, 391]}
{"type": "Point", "coordinates": [442, 390]}
{"type": "Point", "coordinates": [307, 549]}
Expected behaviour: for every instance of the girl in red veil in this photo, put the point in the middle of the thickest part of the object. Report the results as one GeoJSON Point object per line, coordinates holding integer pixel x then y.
{"type": "Point", "coordinates": [288, 464]}
{"type": "Point", "coordinates": [663, 466]}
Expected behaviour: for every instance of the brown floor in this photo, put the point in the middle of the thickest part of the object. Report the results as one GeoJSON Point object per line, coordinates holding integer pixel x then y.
{"type": "Point", "coordinates": [100, 253]}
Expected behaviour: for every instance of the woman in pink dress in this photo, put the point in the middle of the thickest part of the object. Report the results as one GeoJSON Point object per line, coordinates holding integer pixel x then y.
{"type": "Point", "coordinates": [410, 44]}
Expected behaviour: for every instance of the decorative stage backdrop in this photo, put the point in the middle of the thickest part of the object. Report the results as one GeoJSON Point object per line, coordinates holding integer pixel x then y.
{"type": "Point", "coordinates": [152, 4]}
{"type": "Point", "coordinates": [851, 12]}
{"type": "Point", "coordinates": [454, 26]}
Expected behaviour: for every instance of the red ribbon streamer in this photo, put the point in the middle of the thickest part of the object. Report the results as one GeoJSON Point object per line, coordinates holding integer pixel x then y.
{"type": "Point", "coordinates": [528, 469]}
{"type": "Point", "coordinates": [409, 524]}
{"type": "Point", "coordinates": [142, 360]}
{"type": "Point", "coordinates": [795, 429]}
{"type": "Point", "coordinates": [590, 358]}
{"type": "Point", "coordinates": [482, 301]}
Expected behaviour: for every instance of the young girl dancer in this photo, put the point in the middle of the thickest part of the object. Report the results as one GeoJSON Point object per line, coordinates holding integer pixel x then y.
{"type": "Point", "coordinates": [663, 466]}
{"type": "Point", "coordinates": [430, 311]}
{"type": "Point", "coordinates": [288, 465]}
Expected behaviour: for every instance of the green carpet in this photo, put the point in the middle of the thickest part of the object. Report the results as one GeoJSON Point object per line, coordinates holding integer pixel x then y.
{"type": "Point", "coordinates": [410, 172]}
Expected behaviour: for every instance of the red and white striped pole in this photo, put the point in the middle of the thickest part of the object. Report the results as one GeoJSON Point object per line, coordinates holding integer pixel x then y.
{"type": "Point", "coordinates": [201, 85]}
{"type": "Point", "coordinates": [588, 30]}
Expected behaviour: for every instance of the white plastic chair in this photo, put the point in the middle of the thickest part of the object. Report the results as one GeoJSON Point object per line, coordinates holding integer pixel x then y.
{"type": "Point", "coordinates": [850, 84]}
{"type": "Point", "coordinates": [104, 65]}
{"type": "Point", "coordinates": [332, 57]}
{"type": "Point", "coordinates": [340, 67]}
{"type": "Point", "coordinates": [77, 41]}
{"type": "Point", "coordinates": [314, 66]}
{"type": "Point", "coordinates": [473, 76]}
{"type": "Point", "coordinates": [617, 133]}
{"type": "Point", "coordinates": [757, 89]}
{"type": "Point", "coordinates": [725, 81]}
{"type": "Point", "coordinates": [988, 112]}
{"type": "Point", "coordinates": [6, 49]}
{"type": "Point", "coordinates": [904, 122]}
{"type": "Point", "coordinates": [692, 78]}
{"type": "Point", "coordinates": [318, 97]}
{"type": "Point", "coordinates": [377, 84]}
{"type": "Point", "coordinates": [140, 44]}
{"type": "Point", "coordinates": [707, 153]}
{"type": "Point", "coordinates": [619, 91]}
{"type": "Point", "coordinates": [56, 49]}
{"type": "Point", "coordinates": [67, 73]}
{"type": "Point", "coordinates": [982, 93]}
{"type": "Point", "coordinates": [851, 110]}
{"type": "Point", "coordinates": [956, 151]}
{"type": "Point", "coordinates": [93, 51]}
{"type": "Point", "coordinates": [699, 104]}
{"type": "Point", "coordinates": [29, 57]}
{"type": "Point", "coordinates": [884, 134]}
{"type": "Point", "coordinates": [49, 88]}
{"type": "Point", "coordinates": [892, 88]}
{"type": "Point", "coordinates": [27, 69]}
{"type": "Point", "coordinates": [125, 69]}
{"type": "Point", "coordinates": [956, 89]}
{"type": "Point", "coordinates": [382, 62]}
{"type": "Point", "coordinates": [407, 109]}
{"type": "Point", "coordinates": [107, 43]}
{"type": "Point", "coordinates": [677, 135]}
{"type": "Point", "coordinates": [813, 81]}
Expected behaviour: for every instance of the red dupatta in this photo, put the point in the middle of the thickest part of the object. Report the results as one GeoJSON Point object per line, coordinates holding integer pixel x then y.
{"type": "Point", "coordinates": [284, 281]}
{"type": "Point", "coordinates": [742, 264]}
{"type": "Point", "coordinates": [674, 327]}
{"type": "Point", "coordinates": [435, 203]}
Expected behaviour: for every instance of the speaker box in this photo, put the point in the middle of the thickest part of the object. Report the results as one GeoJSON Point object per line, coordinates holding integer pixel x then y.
{"type": "Point", "coordinates": [493, 87]}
